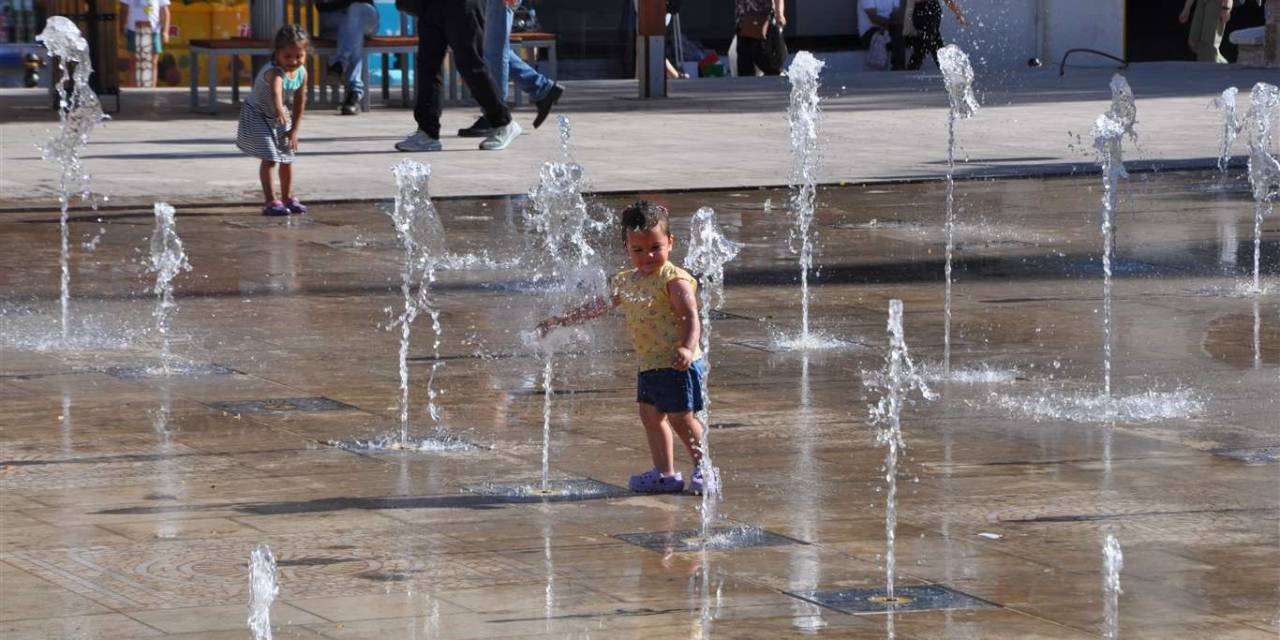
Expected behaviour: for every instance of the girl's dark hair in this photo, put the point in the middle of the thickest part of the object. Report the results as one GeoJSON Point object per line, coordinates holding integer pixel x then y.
{"type": "Point", "coordinates": [291, 34]}
{"type": "Point", "coordinates": [643, 215]}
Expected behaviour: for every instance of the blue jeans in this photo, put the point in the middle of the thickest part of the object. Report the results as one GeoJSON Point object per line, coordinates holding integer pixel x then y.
{"type": "Point", "coordinates": [503, 63]}
{"type": "Point", "coordinates": [349, 27]}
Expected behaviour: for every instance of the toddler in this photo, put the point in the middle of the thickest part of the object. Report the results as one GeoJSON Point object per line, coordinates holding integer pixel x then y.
{"type": "Point", "coordinates": [268, 130]}
{"type": "Point", "coordinates": [657, 300]}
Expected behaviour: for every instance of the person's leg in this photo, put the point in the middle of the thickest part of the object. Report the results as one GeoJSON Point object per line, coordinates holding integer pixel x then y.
{"type": "Point", "coordinates": [746, 56]}
{"type": "Point", "coordinates": [464, 26]}
{"type": "Point", "coordinates": [497, 42]}
{"type": "Point", "coordinates": [432, 44]}
{"type": "Point", "coordinates": [286, 181]}
{"type": "Point", "coordinates": [897, 48]}
{"type": "Point", "coordinates": [359, 20]}
{"type": "Point", "coordinates": [658, 432]}
{"type": "Point", "coordinates": [527, 78]}
{"type": "Point", "coordinates": [264, 176]}
{"type": "Point", "coordinates": [689, 428]}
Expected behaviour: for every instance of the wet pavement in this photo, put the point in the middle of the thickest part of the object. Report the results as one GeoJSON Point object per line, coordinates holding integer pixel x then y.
{"type": "Point", "coordinates": [130, 502]}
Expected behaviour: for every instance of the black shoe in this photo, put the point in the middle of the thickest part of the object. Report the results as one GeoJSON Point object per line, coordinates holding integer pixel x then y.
{"type": "Point", "coordinates": [481, 129]}
{"type": "Point", "coordinates": [545, 104]}
{"type": "Point", "coordinates": [351, 104]}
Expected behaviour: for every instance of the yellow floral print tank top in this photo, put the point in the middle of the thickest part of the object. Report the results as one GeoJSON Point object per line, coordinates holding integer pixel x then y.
{"type": "Point", "coordinates": [652, 323]}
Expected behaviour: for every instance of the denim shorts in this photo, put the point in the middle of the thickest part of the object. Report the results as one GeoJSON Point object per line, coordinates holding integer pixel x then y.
{"type": "Point", "coordinates": [672, 391]}
{"type": "Point", "coordinates": [131, 41]}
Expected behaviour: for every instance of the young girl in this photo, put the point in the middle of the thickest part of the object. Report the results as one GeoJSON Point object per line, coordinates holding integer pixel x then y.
{"type": "Point", "coordinates": [657, 299]}
{"type": "Point", "coordinates": [268, 131]}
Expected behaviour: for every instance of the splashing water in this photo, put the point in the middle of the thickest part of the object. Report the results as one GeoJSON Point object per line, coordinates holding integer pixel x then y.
{"type": "Point", "coordinates": [422, 238]}
{"type": "Point", "coordinates": [1231, 124]}
{"type": "Point", "coordinates": [895, 382]}
{"type": "Point", "coordinates": [957, 74]}
{"type": "Point", "coordinates": [1113, 560]}
{"type": "Point", "coordinates": [708, 252]}
{"type": "Point", "coordinates": [562, 229]}
{"type": "Point", "coordinates": [168, 259]}
{"type": "Point", "coordinates": [1109, 132]}
{"type": "Point", "coordinates": [804, 116]}
{"type": "Point", "coordinates": [563, 121]}
{"type": "Point", "coordinates": [1147, 406]}
{"type": "Point", "coordinates": [548, 369]}
{"type": "Point", "coordinates": [1264, 165]}
{"type": "Point", "coordinates": [263, 590]}
{"type": "Point", "coordinates": [78, 113]}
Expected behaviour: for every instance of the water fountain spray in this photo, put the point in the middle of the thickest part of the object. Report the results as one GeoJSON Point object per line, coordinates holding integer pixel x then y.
{"type": "Point", "coordinates": [957, 74]}
{"type": "Point", "coordinates": [1109, 132]}
{"type": "Point", "coordinates": [1264, 165]}
{"type": "Point", "coordinates": [78, 113]}
{"type": "Point", "coordinates": [563, 121]}
{"type": "Point", "coordinates": [804, 116]}
{"type": "Point", "coordinates": [167, 260]}
{"type": "Point", "coordinates": [708, 252]}
{"type": "Point", "coordinates": [1113, 559]}
{"type": "Point", "coordinates": [1231, 125]}
{"type": "Point", "coordinates": [895, 382]}
{"type": "Point", "coordinates": [422, 238]}
{"type": "Point", "coordinates": [263, 589]}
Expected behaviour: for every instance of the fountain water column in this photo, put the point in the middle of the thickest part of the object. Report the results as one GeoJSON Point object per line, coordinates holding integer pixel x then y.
{"type": "Point", "coordinates": [804, 117]}
{"type": "Point", "coordinates": [78, 113]}
{"type": "Point", "coordinates": [547, 393]}
{"type": "Point", "coordinates": [708, 252]}
{"type": "Point", "coordinates": [168, 259]}
{"type": "Point", "coordinates": [1231, 124]}
{"type": "Point", "coordinates": [1264, 166]}
{"type": "Point", "coordinates": [1109, 132]}
{"type": "Point", "coordinates": [263, 589]}
{"type": "Point", "coordinates": [422, 237]}
{"type": "Point", "coordinates": [957, 74]}
{"type": "Point", "coordinates": [1113, 561]}
{"type": "Point", "coordinates": [897, 379]}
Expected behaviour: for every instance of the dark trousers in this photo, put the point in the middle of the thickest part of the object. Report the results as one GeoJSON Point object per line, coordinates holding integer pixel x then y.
{"type": "Point", "coordinates": [456, 24]}
{"type": "Point", "coordinates": [754, 53]}
{"type": "Point", "coordinates": [897, 45]}
{"type": "Point", "coordinates": [927, 17]}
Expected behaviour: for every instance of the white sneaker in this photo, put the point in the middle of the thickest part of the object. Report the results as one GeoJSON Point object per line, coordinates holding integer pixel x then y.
{"type": "Point", "coordinates": [501, 137]}
{"type": "Point", "coordinates": [419, 141]}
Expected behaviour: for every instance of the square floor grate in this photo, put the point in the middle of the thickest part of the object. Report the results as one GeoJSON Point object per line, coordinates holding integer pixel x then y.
{"type": "Point", "coordinates": [185, 370]}
{"type": "Point", "coordinates": [721, 538]}
{"type": "Point", "coordinates": [281, 405]}
{"type": "Point", "coordinates": [929, 597]}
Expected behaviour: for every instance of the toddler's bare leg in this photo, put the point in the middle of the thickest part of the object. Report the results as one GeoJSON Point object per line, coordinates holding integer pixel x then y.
{"type": "Point", "coordinates": [658, 431]}
{"type": "Point", "coordinates": [689, 428]}
{"type": "Point", "coordinates": [286, 180]}
{"type": "Point", "coordinates": [264, 174]}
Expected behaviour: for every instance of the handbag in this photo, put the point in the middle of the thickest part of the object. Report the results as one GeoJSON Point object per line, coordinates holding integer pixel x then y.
{"type": "Point", "coordinates": [755, 25]}
{"type": "Point", "coordinates": [775, 51]}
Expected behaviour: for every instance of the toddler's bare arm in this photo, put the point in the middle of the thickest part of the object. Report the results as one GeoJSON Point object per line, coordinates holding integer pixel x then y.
{"type": "Point", "coordinates": [593, 309]}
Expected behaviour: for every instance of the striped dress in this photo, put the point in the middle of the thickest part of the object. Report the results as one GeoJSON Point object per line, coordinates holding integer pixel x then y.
{"type": "Point", "coordinates": [259, 134]}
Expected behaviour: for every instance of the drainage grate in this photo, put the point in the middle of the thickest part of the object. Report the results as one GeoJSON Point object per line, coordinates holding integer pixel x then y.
{"type": "Point", "coordinates": [558, 490]}
{"type": "Point", "coordinates": [929, 597]}
{"type": "Point", "coordinates": [176, 371]}
{"type": "Point", "coordinates": [1250, 455]}
{"type": "Point", "coordinates": [281, 405]}
{"type": "Point", "coordinates": [721, 538]}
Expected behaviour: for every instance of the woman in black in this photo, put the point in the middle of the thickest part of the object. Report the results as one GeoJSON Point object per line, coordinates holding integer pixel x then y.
{"type": "Point", "coordinates": [926, 18]}
{"type": "Point", "coordinates": [759, 29]}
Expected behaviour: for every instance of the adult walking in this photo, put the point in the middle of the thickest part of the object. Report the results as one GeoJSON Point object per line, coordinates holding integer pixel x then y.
{"type": "Point", "coordinates": [348, 22]}
{"type": "Point", "coordinates": [886, 16]}
{"type": "Point", "coordinates": [456, 24]}
{"type": "Point", "coordinates": [923, 28]}
{"type": "Point", "coordinates": [759, 30]}
{"type": "Point", "coordinates": [1208, 23]}
{"type": "Point", "coordinates": [506, 64]}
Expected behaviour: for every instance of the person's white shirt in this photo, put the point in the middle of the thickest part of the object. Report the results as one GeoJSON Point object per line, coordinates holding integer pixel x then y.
{"type": "Point", "coordinates": [883, 8]}
{"type": "Point", "coordinates": [143, 11]}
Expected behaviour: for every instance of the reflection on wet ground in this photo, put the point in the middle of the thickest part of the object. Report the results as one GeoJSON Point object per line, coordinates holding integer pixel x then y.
{"type": "Point", "coordinates": [131, 501]}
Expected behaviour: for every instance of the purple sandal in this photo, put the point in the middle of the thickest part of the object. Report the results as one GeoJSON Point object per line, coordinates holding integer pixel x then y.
{"type": "Point", "coordinates": [652, 481]}
{"type": "Point", "coordinates": [275, 208]}
{"type": "Point", "coordinates": [295, 206]}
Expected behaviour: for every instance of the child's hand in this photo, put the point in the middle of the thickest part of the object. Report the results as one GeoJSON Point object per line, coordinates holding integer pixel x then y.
{"type": "Point", "coordinates": [683, 359]}
{"type": "Point", "coordinates": [293, 140]}
{"type": "Point", "coordinates": [282, 118]}
{"type": "Point", "coordinates": [546, 326]}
